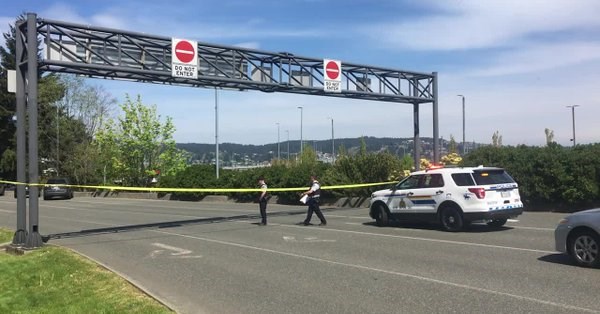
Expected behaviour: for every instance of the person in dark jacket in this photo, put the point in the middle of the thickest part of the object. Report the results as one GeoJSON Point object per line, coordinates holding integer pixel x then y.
{"type": "Point", "coordinates": [313, 193]}
{"type": "Point", "coordinates": [262, 201]}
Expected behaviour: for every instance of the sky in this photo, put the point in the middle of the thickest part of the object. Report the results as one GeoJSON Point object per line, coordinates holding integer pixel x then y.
{"type": "Point", "coordinates": [518, 64]}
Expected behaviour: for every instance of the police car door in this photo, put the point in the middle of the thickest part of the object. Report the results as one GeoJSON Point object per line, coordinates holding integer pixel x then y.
{"type": "Point", "coordinates": [400, 202]}
{"type": "Point", "coordinates": [424, 198]}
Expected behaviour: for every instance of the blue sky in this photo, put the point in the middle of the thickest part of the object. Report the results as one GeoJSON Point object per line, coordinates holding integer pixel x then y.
{"type": "Point", "coordinates": [519, 63]}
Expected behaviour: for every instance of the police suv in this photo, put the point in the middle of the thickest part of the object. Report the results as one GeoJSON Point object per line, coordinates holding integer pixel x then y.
{"type": "Point", "coordinates": [454, 197]}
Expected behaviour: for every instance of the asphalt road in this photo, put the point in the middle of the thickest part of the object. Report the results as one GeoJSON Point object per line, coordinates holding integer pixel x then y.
{"type": "Point", "coordinates": [213, 258]}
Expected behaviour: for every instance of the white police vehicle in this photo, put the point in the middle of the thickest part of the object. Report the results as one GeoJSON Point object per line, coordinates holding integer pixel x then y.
{"type": "Point", "coordinates": [454, 197]}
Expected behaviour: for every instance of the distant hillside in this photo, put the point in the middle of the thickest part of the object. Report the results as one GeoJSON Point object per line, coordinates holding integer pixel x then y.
{"type": "Point", "coordinates": [248, 154]}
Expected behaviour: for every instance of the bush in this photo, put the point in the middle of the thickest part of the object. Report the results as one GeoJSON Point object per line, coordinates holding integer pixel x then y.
{"type": "Point", "coordinates": [551, 177]}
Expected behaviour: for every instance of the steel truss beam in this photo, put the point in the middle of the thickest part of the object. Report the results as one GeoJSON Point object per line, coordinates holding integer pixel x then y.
{"type": "Point", "coordinates": [108, 53]}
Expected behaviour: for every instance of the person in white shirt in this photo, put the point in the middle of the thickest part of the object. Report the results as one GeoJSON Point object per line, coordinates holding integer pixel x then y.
{"type": "Point", "coordinates": [313, 193]}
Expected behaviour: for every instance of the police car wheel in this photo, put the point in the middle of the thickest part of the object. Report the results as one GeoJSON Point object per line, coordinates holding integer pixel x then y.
{"type": "Point", "coordinates": [496, 223]}
{"type": "Point", "coordinates": [382, 218]}
{"type": "Point", "coordinates": [451, 219]}
{"type": "Point", "coordinates": [584, 247]}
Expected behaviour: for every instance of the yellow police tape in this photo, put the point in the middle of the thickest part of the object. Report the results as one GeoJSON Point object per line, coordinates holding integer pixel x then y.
{"type": "Point", "coordinates": [223, 190]}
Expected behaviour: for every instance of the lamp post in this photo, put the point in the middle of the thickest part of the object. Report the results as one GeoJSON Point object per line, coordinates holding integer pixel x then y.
{"type": "Point", "coordinates": [288, 143]}
{"type": "Point", "coordinates": [301, 142]}
{"type": "Point", "coordinates": [463, 124]}
{"type": "Point", "coordinates": [217, 132]}
{"type": "Point", "coordinates": [278, 146]}
{"type": "Point", "coordinates": [573, 117]}
{"type": "Point", "coordinates": [332, 140]}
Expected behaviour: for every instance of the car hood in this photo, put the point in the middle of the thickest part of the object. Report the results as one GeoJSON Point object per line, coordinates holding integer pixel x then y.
{"type": "Point", "coordinates": [595, 211]}
{"type": "Point", "coordinates": [382, 192]}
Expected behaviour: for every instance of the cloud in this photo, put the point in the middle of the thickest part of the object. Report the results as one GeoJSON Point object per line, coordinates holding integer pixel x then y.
{"type": "Point", "coordinates": [540, 57]}
{"type": "Point", "coordinates": [63, 12]}
{"type": "Point", "coordinates": [249, 45]}
{"type": "Point", "coordinates": [474, 24]}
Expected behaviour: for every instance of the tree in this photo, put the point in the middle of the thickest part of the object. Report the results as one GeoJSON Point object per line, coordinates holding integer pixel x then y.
{"type": "Point", "coordinates": [452, 145]}
{"type": "Point", "coordinates": [138, 144]}
{"type": "Point", "coordinates": [496, 139]}
{"type": "Point", "coordinates": [49, 91]}
{"type": "Point", "coordinates": [90, 104]}
{"type": "Point", "coordinates": [549, 136]}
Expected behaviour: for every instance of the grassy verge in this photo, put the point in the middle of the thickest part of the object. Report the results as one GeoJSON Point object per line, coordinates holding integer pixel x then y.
{"type": "Point", "coordinates": [5, 235]}
{"type": "Point", "coordinates": [56, 280]}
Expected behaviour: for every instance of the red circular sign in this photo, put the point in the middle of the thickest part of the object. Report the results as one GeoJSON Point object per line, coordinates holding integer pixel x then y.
{"type": "Point", "coordinates": [184, 51]}
{"type": "Point", "coordinates": [332, 71]}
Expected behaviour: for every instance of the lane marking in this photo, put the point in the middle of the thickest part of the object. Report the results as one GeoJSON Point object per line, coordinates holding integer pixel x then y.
{"type": "Point", "coordinates": [305, 240]}
{"type": "Point", "coordinates": [513, 220]}
{"type": "Point", "coordinates": [389, 272]}
{"type": "Point", "coordinates": [177, 251]}
{"type": "Point", "coordinates": [533, 228]}
{"type": "Point", "coordinates": [427, 239]}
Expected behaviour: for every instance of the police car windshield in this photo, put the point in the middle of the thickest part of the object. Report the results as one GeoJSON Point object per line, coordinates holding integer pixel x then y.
{"type": "Point", "coordinates": [488, 177]}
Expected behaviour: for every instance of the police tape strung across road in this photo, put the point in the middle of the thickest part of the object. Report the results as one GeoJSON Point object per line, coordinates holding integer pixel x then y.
{"type": "Point", "coordinates": [223, 190]}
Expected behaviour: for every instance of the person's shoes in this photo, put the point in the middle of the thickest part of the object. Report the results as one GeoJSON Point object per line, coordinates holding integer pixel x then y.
{"type": "Point", "coordinates": [304, 223]}
{"type": "Point", "coordinates": [323, 224]}
{"type": "Point", "coordinates": [262, 223]}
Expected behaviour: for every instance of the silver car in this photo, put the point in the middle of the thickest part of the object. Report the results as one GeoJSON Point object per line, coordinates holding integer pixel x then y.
{"type": "Point", "coordinates": [579, 235]}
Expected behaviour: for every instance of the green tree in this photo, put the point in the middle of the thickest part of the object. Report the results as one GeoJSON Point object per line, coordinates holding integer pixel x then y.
{"type": "Point", "coordinates": [549, 136]}
{"type": "Point", "coordinates": [496, 139]}
{"type": "Point", "coordinates": [49, 91]}
{"type": "Point", "coordinates": [452, 145]}
{"type": "Point", "coordinates": [138, 144]}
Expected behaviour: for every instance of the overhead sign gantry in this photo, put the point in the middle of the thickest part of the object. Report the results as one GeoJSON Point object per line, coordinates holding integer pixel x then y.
{"type": "Point", "coordinates": [100, 52]}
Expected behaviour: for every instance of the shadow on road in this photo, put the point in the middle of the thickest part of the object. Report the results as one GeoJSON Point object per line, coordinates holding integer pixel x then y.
{"type": "Point", "coordinates": [160, 225]}
{"type": "Point", "coordinates": [562, 259]}
{"type": "Point", "coordinates": [473, 228]}
{"type": "Point", "coordinates": [171, 224]}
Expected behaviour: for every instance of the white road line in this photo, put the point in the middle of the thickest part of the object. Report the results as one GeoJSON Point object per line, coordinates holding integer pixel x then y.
{"type": "Point", "coordinates": [390, 272]}
{"type": "Point", "coordinates": [427, 239]}
{"type": "Point", "coordinates": [513, 220]}
{"type": "Point", "coordinates": [532, 228]}
{"type": "Point", "coordinates": [350, 217]}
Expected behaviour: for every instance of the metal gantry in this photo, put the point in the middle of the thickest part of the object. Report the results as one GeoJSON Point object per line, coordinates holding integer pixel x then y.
{"type": "Point", "coordinates": [106, 53]}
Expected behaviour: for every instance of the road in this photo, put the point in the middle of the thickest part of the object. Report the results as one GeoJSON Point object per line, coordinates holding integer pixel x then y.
{"type": "Point", "coordinates": [212, 258]}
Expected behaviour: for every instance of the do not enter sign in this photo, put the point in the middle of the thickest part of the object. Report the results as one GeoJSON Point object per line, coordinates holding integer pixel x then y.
{"type": "Point", "coordinates": [184, 51]}
{"type": "Point", "coordinates": [332, 70]}
{"type": "Point", "coordinates": [184, 58]}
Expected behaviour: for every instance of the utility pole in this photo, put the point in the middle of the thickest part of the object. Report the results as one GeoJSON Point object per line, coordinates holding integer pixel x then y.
{"type": "Point", "coordinates": [332, 141]}
{"type": "Point", "coordinates": [573, 117]}
{"type": "Point", "coordinates": [217, 131]}
{"type": "Point", "coordinates": [288, 143]}
{"type": "Point", "coordinates": [278, 142]}
{"type": "Point", "coordinates": [464, 143]}
{"type": "Point", "coordinates": [301, 141]}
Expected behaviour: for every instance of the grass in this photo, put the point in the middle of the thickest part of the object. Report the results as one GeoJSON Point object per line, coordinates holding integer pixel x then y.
{"type": "Point", "coordinates": [56, 280]}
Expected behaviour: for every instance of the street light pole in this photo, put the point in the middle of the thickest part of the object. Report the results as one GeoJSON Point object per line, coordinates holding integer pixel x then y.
{"type": "Point", "coordinates": [573, 116]}
{"type": "Point", "coordinates": [332, 141]}
{"type": "Point", "coordinates": [288, 143]}
{"type": "Point", "coordinates": [217, 131]}
{"type": "Point", "coordinates": [301, 141]}
{"type": "Point", "coordinates": [278, 146]}
{"type": "Point", "coordinates": [463, 124]}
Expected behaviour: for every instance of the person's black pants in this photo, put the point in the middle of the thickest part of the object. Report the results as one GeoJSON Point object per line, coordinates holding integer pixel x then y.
{"type": "Point", "coordinates": [313, 206]}
{"type": "Point", "coordinates": [262, 205]}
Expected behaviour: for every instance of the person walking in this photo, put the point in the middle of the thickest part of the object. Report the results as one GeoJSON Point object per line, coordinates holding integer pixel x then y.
{"type": "Point", "coordinates": [313, 193]}
{"type": "Point", "coordinates": [262, 201]}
